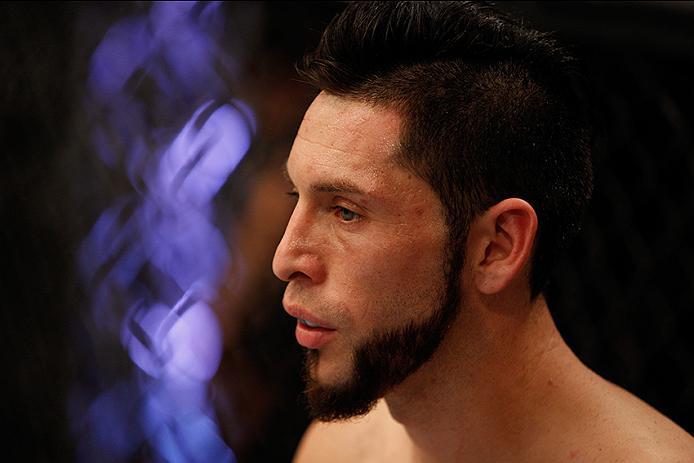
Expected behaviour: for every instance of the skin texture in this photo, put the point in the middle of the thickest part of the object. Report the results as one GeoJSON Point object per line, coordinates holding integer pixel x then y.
{"type": "Point", "coordinates": [502, 385]}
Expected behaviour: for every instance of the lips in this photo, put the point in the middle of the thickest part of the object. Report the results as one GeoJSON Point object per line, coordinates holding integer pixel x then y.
{"type": "Point", "coordinates": [309, 323]}
{"type": "Point", "coordinates": [311, 332]}
{"type": "Point", "coordinates": [312, 338]}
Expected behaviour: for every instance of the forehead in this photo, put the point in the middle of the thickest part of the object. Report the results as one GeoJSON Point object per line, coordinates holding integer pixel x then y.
{"type": "Point", "coordinates": [347, 135]}
{"type": "Point", "coordinates": [350, 124]}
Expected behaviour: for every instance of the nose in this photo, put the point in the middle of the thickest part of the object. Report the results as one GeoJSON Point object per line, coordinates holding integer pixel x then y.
{"type": "Point", "coordinates": [298, 256]}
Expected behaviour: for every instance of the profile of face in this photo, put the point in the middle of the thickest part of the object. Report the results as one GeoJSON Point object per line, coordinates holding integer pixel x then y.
{"type": "Point", "coordinates": [371, 279]}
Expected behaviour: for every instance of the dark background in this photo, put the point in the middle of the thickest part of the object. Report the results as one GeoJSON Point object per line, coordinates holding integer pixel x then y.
{"type": "Point", "coordinates": [622, 295]}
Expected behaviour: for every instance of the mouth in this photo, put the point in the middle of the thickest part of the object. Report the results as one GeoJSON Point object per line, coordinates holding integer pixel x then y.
{"type": "Point", "coordinates": [310, 332]}
{"type": "Point", "coordinates": [309, 323]}
{"type": "Point", "coordinates": [312, 335]}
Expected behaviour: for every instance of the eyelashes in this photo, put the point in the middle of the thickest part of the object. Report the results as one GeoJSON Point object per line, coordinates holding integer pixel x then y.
{"type": "Point", "coordinates": [344, 214]}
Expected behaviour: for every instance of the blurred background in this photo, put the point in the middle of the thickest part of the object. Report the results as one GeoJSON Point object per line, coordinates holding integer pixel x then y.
{"type": "Point", "coordinates": [142, 198]}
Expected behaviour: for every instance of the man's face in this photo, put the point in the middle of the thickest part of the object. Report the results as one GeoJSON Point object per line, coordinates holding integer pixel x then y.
{"type": "Point", "coordinates": [364, 255]}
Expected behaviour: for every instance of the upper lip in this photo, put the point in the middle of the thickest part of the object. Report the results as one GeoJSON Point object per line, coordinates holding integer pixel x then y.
{"type": "Point", "coordinates": [302, 314]}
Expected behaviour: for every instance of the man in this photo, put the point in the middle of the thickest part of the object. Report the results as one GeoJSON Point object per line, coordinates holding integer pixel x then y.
{"type": "Point", "coordinates": [443, 164]}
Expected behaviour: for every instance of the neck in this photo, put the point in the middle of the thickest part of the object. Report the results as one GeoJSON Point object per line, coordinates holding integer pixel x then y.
{"type": "Point", "coordinates": [486, 388]}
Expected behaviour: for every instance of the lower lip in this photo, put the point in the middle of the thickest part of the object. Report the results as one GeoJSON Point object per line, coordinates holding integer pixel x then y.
{"type": "Point", "coordinates": [312, 338]}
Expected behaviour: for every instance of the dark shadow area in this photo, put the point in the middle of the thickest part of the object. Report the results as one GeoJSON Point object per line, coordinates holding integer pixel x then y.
{"type": "Point", "coordinates": [622, 295]}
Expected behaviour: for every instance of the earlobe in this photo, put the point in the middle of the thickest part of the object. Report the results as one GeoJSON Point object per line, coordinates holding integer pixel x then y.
{"type": "Point", "coordinates": [506, 235]}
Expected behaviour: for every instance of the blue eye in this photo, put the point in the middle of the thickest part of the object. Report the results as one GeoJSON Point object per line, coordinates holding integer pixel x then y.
{"type": "Point", "coordinates": [346, 214]}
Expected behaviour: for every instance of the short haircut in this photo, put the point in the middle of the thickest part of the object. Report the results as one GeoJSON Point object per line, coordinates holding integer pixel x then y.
{"type": "Point", "coordinates": [491, 109]}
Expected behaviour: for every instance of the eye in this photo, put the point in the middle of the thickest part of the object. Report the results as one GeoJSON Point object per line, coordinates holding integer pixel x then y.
{"type": "Point", "coordinates": [346, 215]}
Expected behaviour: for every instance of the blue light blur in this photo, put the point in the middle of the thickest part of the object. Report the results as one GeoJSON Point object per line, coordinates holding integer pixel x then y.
{"type": "Point", "coordinates": [154, 258]}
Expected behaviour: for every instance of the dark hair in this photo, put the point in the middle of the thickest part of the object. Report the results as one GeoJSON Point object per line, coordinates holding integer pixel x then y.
{"type": "Point", "coordinates": [491, 109]}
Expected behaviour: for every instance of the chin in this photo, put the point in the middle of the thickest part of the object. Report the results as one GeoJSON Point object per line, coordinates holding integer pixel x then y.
{"type": "Point", "coordinates": [326, 372]}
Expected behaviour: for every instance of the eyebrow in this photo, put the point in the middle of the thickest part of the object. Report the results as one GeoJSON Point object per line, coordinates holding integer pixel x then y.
{"type": "Point", "coordinates": [337, 186]}
{"type": "Point", "coordinates": [332, 186]}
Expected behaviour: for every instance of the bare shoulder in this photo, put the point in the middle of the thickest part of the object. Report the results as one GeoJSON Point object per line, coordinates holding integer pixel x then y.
{"type": "Point", "coordinates": [363, 439]}
{"type": "Point", "coordinates": [626, 429]}
{"type": "Point", "coordinates": [655, 436]}
{"type": "Point", "coordinates": [658, 434]}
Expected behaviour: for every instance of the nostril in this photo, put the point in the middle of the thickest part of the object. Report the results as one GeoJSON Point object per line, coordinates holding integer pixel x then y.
{"type": "Point", "coordinates": [297, 275]}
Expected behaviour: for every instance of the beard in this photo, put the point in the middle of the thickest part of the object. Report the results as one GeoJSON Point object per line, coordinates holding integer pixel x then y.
{"type": "Point", "coordinates": [385, 360]}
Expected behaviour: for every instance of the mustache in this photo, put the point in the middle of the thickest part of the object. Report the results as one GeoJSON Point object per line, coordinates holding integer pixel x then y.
{"type": "Point", "coordinates": [333, 311]}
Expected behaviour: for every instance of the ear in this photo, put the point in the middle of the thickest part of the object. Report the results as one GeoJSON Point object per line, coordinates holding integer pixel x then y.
{"type": "Point", "coordinates": [501, 244]}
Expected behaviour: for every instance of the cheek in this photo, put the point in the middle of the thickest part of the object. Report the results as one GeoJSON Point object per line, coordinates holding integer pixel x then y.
{"type": "Point", "coordinates": [401, 280]}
